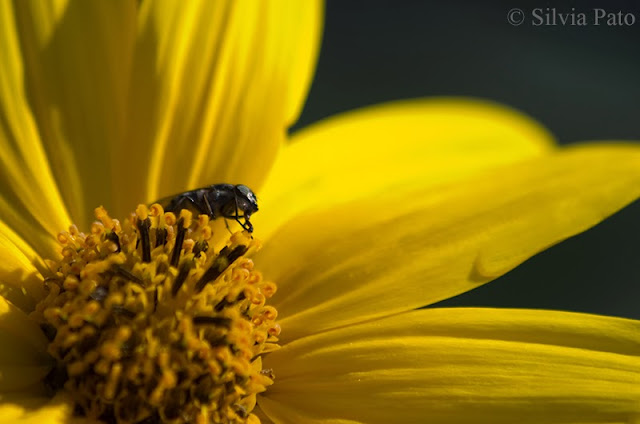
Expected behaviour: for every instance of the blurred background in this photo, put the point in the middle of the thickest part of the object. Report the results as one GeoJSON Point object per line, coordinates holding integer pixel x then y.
{"type": "Point", "coordinates": [581, 82]}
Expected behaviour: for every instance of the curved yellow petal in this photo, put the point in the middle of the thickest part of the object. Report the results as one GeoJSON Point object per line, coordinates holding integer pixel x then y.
{"type": "Point", "coordinates": [264, 419]}
{"type": "Point", "coordinates": [29, 198]}
{"type": "Point", "coordinates": [392, 253]}
{"type": "Point", "coordinates": [77, 59]}
{"type": "Point", "coordinates": [215, 86]}
{"type": "Point", "coordinates": [461, 365]}
{"type": "Point", "coordinates": [23, 357]}
{"type": "Point", "coordinates": [31, 409]}
{"type": "Point", "coordinates": [20, 281]}
{"type": "Point", "coordinates": [15, 324]}
{"type": "Point", "coordinates": [393, 147]}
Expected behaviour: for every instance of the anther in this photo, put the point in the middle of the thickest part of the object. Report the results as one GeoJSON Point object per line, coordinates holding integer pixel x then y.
{"type": "Point", "coordinates": [201, 246]}
{"type": "Point", "coordinates": [161, 236]}
{"type": "Point", "coordinates": [225, 258]}
{"type": "Point", "coordinates": [143, 227]}
{"type": "Point", "coordinates": [112, 236]}
{"type": "Point", "coordinates": [214, 321]}
{"type": "Point", "coordinates": [180, 279]}
{"type": "Point", "coordinates": [235, 253]}
{"type": "Point", "coordinates": [128, 275]}
{"type": "Point", "coordinates": [122, 311]}
{"type": "Point", "coordinates": [177, 248]}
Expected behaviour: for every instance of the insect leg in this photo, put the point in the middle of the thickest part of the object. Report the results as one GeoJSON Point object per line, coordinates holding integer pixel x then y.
{"type": "Point", "coordinates": [209, 210]}
{"type": "Point", "coordinates": [226, 224]}
{"type": "Point", "coordinates": [246, 225]}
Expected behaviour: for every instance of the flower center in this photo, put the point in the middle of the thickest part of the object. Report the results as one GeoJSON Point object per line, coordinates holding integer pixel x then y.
{"type": "Point", "coordinates": [148, 324]}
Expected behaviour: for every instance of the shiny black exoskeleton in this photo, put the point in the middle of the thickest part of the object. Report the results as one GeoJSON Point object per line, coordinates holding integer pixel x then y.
{"type": "Point", "coordinates": [217, 200]}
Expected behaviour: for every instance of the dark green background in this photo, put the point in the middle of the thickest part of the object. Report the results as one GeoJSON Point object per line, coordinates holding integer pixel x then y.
{"type": "Point", "coordinates": [580, 82]}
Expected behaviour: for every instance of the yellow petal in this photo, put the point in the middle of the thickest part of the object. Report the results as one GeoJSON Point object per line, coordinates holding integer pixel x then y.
{"type": "Point", "coordinates": [77, 57]}
{"type": "Point", "coordinates": [461, 365]}
{"type": "Point", "coordinates": [264, 419]}
{"type": "Point", "coordinates": [215, 85]}
{"type": "Point", "coordinates": [394, 147]}
{"type": "Point", "coordinates": [15, 324]}
{"type": "Point", "coordinates": [30, 409]}
{"type": "Point", "coordinates": [23, 358]}
{"type": "Point", "coordinates": [392, 253]}
{"type": "Point", "coordinates": [29, 199]}
{"type": "Point", "coordinates": [20, 281]}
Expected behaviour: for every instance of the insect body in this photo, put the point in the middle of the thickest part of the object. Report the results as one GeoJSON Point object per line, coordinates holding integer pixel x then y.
{"type": "Point", "coordinates": [218, 200]}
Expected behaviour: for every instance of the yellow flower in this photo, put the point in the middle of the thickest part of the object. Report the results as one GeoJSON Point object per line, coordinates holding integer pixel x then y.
{"type": "Point", "coordinates": [364, 218]}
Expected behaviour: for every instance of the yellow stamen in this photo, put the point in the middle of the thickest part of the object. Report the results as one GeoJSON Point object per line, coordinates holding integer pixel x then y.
{"type": "Point", "coordinates": [148, 324]}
